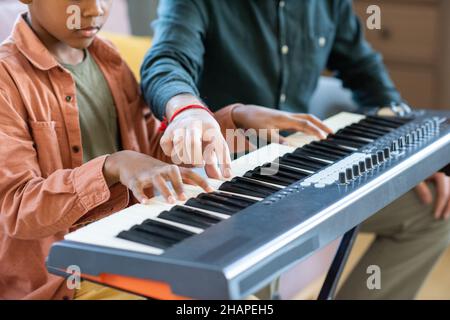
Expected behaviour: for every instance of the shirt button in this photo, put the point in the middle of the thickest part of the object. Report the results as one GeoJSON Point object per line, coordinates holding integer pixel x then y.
{"type": "Point", "coordinates": [282, 4]}
{"type": "Point", "coordinates": [68, 98]}
{"type": "Point", "coordinates": [283, 98]}
{"type": "Point", "coordinates": [285, 49]}
{"type": "Point", "coordinates": [76, 149]}
{"type": "Point", "coordinates": [322, 41]}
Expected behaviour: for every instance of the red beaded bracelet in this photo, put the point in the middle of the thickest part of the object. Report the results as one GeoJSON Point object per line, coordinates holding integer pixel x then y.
{"type": "Point", "coordinates": [165, 123]}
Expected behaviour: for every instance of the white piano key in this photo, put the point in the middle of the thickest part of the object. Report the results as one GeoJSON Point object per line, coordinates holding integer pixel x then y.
{"type": "Point", "coordinates": [214, 213]}
{"type": "Point", "coordinates": [241, 195]}
{"type": "Point", "coordinates": [189, 190]}
{"type": "Point", "coordinates": [192, 192]}
{"type": "Point", "coordinates": [104, 232]}
{"type": "Point", "coordinates": [264, 182]}
{"type": "Point", "coordinates": [258, 158]}
{"type": "Point", "coordinates": [177, 224]}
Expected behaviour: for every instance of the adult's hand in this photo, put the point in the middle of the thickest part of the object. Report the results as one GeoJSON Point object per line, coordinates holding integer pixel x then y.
{"type": "Point", "coordinates": [256, 117]}
{"type": "Point", "coordinates": [442, 201]}
{"type": "Point", "coordinates": [194, 138]}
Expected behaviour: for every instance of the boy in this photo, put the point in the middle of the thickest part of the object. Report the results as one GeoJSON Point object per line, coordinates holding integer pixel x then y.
{"type": "Point", "coordinates": [75, 135]}
{"type": "Point", "coordinates": [69, 105]}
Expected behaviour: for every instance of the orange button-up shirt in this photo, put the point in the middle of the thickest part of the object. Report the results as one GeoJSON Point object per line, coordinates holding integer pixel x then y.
{"type": "Point", "coordinates": [45, 189]}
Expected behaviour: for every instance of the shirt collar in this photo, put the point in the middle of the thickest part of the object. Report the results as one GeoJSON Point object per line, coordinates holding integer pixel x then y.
{"type": "Point", "coordinates": [33, 49]}
{"type": "Point", "coordinates": [31, 46]}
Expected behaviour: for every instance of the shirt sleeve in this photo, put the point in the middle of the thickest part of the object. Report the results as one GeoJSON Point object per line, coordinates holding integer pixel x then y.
{"type": "Point", "coordinates": [359, 67]}
{"type": "Point", "coordinates": [34, 207]}
{"type": "Point", "coordinates": [174, 63]}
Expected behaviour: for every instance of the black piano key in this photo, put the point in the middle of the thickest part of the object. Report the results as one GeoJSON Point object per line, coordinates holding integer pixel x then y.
{"type": "Point", "coordinates": [371, 129]}
{"type": "Point", "coordinates": [280, 174]}
{"type": "Point", "coordinates": [304, 162]}
{"type": "Point", "coordinates": [327, 146]}
{"type": "Point", "coordinates": [244, 190]}
{"type": "Point", "coordinates": [371, 134]}
{"type": "Point", "coordinates": [147, 239]}
{"type": "Point", "coordinates": [223, 200]}
{"type": "Point", "coordinates": [394, 120]}
{"type": "Point", "coordinates": [353, 138]}
{"type": "Point", "coordinates": [164, 230]}
{"type": "Point", "coordinates": [295, 164]}
{"type": "Point", "coordinates": [284, 171]}
{"type": "Point", "coordinates": [238, 199]}
{"type": "Point", "coordinates": [255, 184]}
{"type": "Point", "coordinates": [194, 219]}
{"type": "Point", "coordinates": [345, 142]}
{"type": "Point", "coordinates": [211, 206]}
{"type": "Point", "coordinates": [191, 211]}
{"type": "Point", "coordinates": [358, 133]}
{"type": "Point", "coordinates": [316, 154]}
{"type": "Point", "coordinates": [301, 154]}
{"type": "Point", "coordinates": [381, 123]}
{"type": "Point", "coordinates": [248, 187]}
{"type": "Point", "coordinates": [375, 126]}
{"type": "Point", "coordinates": [281, 181]}
{"type": "Point", "coordinates": [327, 150]}
{"type": "Point", "coordinates": [337, 145]}
{"type": "Point", "coordinates": [185, 219]}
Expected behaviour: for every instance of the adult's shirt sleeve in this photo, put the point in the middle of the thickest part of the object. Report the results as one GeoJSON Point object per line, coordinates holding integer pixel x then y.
{"type": "Point", "coordinates": [174, 63]}
{"type": "Point", "coordinates": [355, 62]}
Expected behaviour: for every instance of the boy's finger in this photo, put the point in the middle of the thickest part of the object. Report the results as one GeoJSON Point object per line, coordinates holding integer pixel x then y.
{"type": "Point", "coordinates": [177, 182]}
{"type": "Point", "coordinates": [160, 184]}
{"type": "Point", "coordinates": [196, 179]}
{"type": "Point", "coordinates": [188, 181]}
{"type": "Point", "coordinates": [138, 193]}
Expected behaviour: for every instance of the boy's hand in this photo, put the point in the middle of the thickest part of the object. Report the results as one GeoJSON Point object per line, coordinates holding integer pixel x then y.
{"type": "Point", "coordinates": [255, 117]}
{"type": "Point", "coordinates": [138, 172]}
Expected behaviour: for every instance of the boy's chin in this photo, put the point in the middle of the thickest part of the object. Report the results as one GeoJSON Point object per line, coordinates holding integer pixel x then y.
{"type": "Point", "coordinates": [81, 44]}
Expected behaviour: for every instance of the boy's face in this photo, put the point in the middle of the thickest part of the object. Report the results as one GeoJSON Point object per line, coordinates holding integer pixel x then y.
{"type": "Point", "coordinates": [73, 22]}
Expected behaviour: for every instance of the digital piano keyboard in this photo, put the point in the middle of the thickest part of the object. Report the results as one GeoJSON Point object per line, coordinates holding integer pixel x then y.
{"type": "Point", "coordinates": [284, 203]}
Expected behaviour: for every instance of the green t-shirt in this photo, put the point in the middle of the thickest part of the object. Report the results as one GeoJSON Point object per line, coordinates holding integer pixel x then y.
{"type": "Point", "coordinates": [98, 116]}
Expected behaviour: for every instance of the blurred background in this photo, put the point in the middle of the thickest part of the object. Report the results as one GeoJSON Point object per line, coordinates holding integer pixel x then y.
{"type": "Point", "coordinates": [414, 39]}
{"type": "Point", "coordinates": [415, 42]}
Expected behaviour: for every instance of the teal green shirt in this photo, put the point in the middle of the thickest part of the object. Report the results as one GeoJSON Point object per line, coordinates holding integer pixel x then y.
{"type": "Point", "coordinates": [264, 52]}
{"type": "Point", "coordinates": [96, 108]}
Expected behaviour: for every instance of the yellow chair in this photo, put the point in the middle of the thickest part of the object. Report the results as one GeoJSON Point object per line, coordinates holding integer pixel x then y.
{"type": "Point", "coordinates": [131, 48]}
